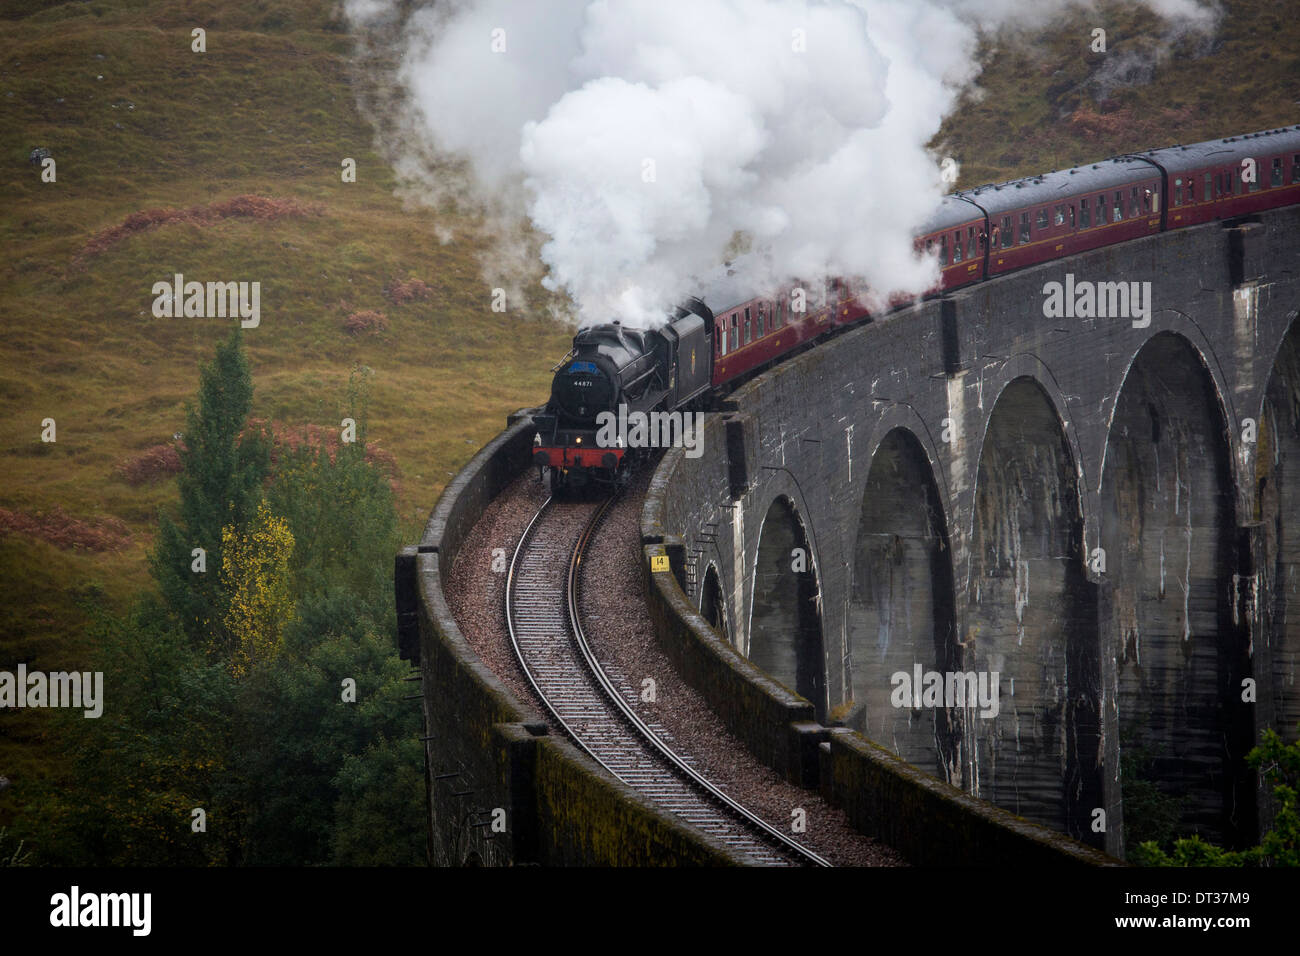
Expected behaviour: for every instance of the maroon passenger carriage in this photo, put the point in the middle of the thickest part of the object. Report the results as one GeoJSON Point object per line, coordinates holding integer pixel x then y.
{"type": "Point", "coordinates": [1058, 214]}
{"type": "Point", "coordinates": [998, 228]}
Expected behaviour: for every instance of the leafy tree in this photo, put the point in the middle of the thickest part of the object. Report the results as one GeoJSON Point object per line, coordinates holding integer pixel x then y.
{"type": "Point", "coordinates": [1280, 764]}
{"type": "Point", "coordinates": [227, 694]}
{"type": "Point", "coordinates": [1150, 814]}
{"type": "Point", "coordinates": [340, 510]}
{"type": "Point", "coordinates": [255, 575]}
{"type": "Point", "coordinates": [373, 820]}
{"type": "Point", "coordinates": [156, 753]}
{"type": "Point", "coordinates": [222, 472]}
{"type": "Point", "coordinates": [295, 733]}
{"type": "Point", "coordinates": [1188, 851]}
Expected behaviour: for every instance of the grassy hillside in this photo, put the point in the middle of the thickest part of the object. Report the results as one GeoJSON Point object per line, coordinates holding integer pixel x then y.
{"type": "Point", "coordinates": [137, 123]}
{"type": "Point", "coordinates": [1048, 102]}
{"type": "Point", "coordinates": [268, 111]}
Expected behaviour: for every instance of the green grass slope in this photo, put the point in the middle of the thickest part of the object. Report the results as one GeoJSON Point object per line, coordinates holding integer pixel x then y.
{"type": "Point", "coordinates": [136, 121]}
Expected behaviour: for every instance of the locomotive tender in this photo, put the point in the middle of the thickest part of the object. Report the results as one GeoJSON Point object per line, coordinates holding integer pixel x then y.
{"type": "Point", "coordinates": [713, 342]}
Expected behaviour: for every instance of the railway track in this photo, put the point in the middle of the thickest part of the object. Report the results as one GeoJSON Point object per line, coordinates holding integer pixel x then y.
{"type": "Point", "coordinates": [542, 614]}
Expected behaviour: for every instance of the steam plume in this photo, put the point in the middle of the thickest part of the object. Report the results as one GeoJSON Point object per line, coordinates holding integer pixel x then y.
{"type": "Point", "coordinates": [648, 141]}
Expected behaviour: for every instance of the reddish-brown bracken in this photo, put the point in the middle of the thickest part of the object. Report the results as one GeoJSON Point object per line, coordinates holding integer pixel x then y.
{"type": "Point", "coordinates": [151, 465]}
{"type": "Point", "coordinates": [57, 527]}
{"type": "Point", "coordinates": [263, 208]}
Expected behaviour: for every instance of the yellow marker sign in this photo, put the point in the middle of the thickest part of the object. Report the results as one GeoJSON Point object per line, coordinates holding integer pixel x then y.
{"type": "Point", "coordinates": [659, 562]}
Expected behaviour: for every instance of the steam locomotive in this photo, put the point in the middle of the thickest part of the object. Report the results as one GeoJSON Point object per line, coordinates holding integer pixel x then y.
{"type": "Point", "coordinates": [728, 334]}
{"type": "Point", "coordinates": [613, 369]}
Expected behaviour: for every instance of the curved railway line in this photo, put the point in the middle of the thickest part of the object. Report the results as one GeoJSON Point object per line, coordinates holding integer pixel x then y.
{"type": "Point", "coordinates": [545, 625]}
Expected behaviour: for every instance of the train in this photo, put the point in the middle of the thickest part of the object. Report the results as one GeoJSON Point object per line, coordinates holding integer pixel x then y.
{"type": "Point", "coordinates": [714, 341]}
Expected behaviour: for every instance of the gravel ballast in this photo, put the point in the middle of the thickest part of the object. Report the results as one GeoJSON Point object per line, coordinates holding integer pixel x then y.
{"type": "Point", "coordinates": [612, 606]}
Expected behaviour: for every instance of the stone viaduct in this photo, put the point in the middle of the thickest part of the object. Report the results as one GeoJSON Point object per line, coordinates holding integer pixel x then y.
{"type": "Point", "coordinates": [1103, 511]}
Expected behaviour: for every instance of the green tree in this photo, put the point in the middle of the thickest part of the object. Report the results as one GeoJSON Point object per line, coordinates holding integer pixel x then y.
{"type": "Point", "coordinates": [1279, 763]}
{"type": "Point", "coordinates": [222, 472]}
{"type": "Point", "coordinates": [255, 574]}
{"type": "Point", "coordinates": [288, 768]}
{"type": "Point", "coordinates": [1150, 814]}
{"type": "Point", "coordinates": [341, 513]}
{"type": "Point", "coordinates": [294, 734]}
{"type": "Point", "coordinates": [379, 816]}
{"type": "Point", "coordinates": [158, 751]}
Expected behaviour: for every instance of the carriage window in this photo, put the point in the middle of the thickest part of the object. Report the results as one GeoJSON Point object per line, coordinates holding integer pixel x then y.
{"type": "Point", "coordinates": [970, 243]}
{"type": "Point", "coordinates": [1085, 215]}
{"type": "Point", "coordinates": [1060, 216]}
{"type": "Point", "coordinates": [1042, 218]}
{"type": "Point", "coordinates": [1191, 189]}
{"type": "Point", "coordinates": [1024, 228]}
{"type": "Point", "coordinates": [1178, 192]}
{"type": "Point", "coordinates": [1119, 207]}
{"type": "Point", "coordinates": [1218, 185]}
{"type": "Point", "coordinates": [1071, 215]}
{"type": "Point", "coordinates": [771, 317]}
{"type": "Point", "coordinates": [943, 249]}
{"type": "Point", "coordinates": [1205, 193]}
{"type": "Point", "coordinates": [1155, 201]}
{"type": "Point", "coordinates": [1254, 187]}
{"type": "Point", "coordinates": [745, 337]}
{"type": "Point", "coordinates": [1007, 235]}
{"type": "Point", "coordinates": [1134, 210]}
{"type": "Point", "coordinates": [780, 313]}
{"type": "Point", "coordinates": [956, 246]}
{"type": "Point", "coordinates": [1277, 172]}
{"type": "Point", "coordinates": [735, 332]}
{"type": "Point", "coordinates": [1146, 199]}
{"type": "Point", "coordinates": [1295, 168]}
{"type": "Point", "coordinates": [929, 247]}
{"type": "Point", "coordinates": [1101, 210]}
{"type": "Point", "coordinates": [1235, 176]}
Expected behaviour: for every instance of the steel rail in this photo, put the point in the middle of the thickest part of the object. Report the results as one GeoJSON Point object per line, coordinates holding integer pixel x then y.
{"type": "Point", "coordinates": [641, 733]}
{"type": "Point", "coordinates": [630, 715]}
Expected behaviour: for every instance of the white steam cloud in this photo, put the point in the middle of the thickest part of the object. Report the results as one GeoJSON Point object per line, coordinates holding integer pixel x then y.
{"type": "Point", "coordinates": [649, 140]}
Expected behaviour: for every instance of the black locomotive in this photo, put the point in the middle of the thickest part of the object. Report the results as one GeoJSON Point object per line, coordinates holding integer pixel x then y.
{"type": "Point", "coordinates": [614, 372]}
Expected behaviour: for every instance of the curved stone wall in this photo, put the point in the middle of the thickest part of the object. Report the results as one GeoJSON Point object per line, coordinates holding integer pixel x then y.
{"type": "Point", "coordinates": [485, 750]}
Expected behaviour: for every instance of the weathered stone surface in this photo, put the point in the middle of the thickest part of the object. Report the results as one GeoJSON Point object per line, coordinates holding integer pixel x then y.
{"type": "Point", "coordinates": [957, 470]}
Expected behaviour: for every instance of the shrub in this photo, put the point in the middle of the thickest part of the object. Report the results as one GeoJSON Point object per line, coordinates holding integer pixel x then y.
{"type": "Point", "coordinates": [367, 322]}
{"type": "Point", "coordinates": [151, 465]}
{"type": "Point", "coordinates": [399, 292]}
